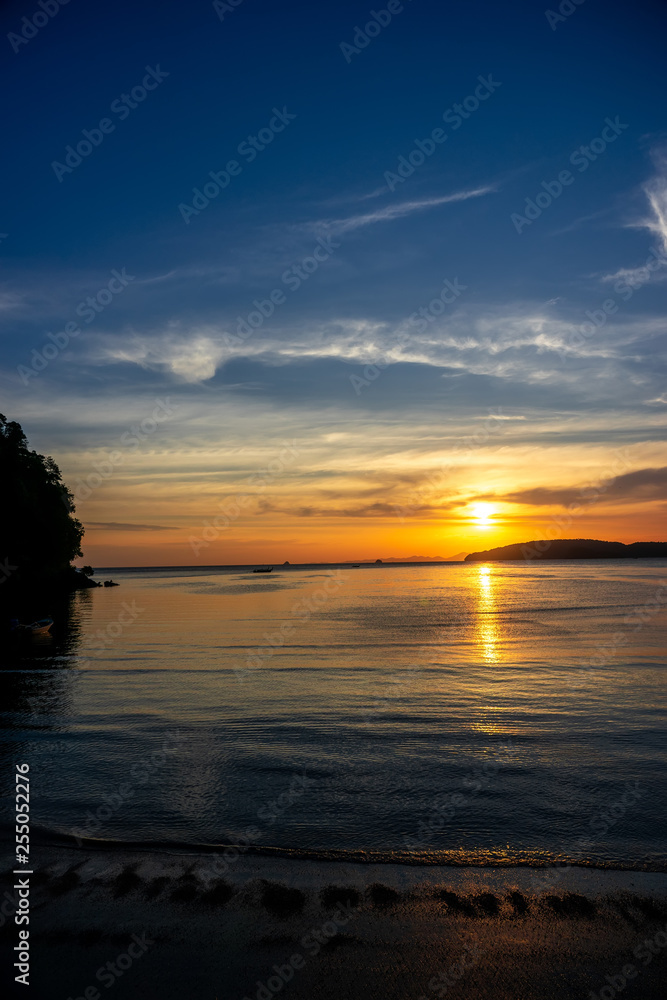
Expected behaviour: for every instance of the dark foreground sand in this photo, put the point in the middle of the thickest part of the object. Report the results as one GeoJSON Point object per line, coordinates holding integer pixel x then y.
{"type": "Point", "coordinates": [168, 927]}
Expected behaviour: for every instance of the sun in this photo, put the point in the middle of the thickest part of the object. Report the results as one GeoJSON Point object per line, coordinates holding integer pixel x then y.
{"type": "Point", "coordinates": [482, 514]}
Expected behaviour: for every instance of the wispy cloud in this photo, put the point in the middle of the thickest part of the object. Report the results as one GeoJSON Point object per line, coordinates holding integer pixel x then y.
{"type": "Point", "coordinates": [656, 193]}
{"type": "Point", "coordinates": [118, 526]}
{"type": "Point", "coordinates": [391, 212]}
{"type": "Point", "coordinates": [519, 342]}
{"type": "Point", "coordinates": [654, 270]}
{"type": "Point", "coordinates": [655, 190]}
{"type": "Point", "coordinates": [10, 302]}
{"type": "Point", "coordinates": [581, 221]}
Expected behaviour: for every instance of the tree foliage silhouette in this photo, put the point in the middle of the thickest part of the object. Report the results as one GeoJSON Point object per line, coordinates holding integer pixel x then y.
{"type": "Point", "coordinates": [39, 536]}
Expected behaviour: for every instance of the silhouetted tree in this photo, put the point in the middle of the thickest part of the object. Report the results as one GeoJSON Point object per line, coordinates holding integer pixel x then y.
{"type": "Point", "coordinates": [39, 536]}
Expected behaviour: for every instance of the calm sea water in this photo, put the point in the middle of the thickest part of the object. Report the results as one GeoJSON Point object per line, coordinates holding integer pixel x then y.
{"type": "Point", "coordinates": [471, 713]}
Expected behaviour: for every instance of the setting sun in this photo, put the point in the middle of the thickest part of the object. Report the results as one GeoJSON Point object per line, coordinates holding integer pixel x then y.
{"type": "Point", "coordinates": [482, 514]}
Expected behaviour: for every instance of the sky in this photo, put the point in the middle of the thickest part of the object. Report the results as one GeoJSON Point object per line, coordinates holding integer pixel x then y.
{"type": "Point", "coordinates": [322, 282]}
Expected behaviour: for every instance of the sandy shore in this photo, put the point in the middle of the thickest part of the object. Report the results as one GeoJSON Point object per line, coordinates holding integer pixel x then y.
{"type": "Point", "coordinates": [189, 927]}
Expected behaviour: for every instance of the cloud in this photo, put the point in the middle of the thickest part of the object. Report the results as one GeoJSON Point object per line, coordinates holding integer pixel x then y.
{"type": "Point", "coordinates": [644, 485]}
{"type": "Point", "coordinates": [656, 192]}
{"type": "Point", "coordinates": [509, 344]}
{"type": "Point", "coordinates": [581, 221]}
{"type": "Point", "coordinates": [391, 212]}
{"type": "Point", "coordinates": [117, 526]}
{"type": "Point", "coordinates": [502, 416]}
{"type": "Point", "coordinates": [363, 510]}
{"type": "Point", "coordinates": [194, 358]}
{"type": "Point", "coordinates": [10, 301]}
{"type": "Point", "coordinates": [635, 277]}
{"type": "Point", "coordinates": [658, 401]}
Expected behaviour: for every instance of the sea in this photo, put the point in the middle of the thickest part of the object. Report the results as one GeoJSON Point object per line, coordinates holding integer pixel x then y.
{"type": "Point", "coordinates": [463, 713]}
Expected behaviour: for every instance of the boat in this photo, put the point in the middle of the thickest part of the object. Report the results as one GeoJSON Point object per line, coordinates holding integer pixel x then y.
{"type": "Point", "coordinates": [40, 627]}
{"type": "Point", "coordinates": [110, 583]}
{"type": "Point", "coordinates": [263, 569]}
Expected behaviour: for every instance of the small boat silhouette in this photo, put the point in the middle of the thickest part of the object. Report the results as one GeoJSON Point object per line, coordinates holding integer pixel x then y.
{"type": "Point", "coordinates": [263, 569]}
{"type": "Point", "coordinates": [41, 627]}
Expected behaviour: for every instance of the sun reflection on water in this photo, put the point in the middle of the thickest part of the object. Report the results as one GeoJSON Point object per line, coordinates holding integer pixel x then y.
{"type": "Point", "coordinates": [488, 635]}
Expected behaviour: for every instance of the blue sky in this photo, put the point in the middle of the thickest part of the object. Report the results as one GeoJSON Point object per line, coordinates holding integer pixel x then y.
{"type": "Point", "coordinates": [510, 342]}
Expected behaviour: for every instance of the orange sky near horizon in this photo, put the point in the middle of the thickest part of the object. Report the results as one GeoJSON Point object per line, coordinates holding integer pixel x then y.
{"type": "Point", "coordinates": [337, 541]}
{"type": "Point", "coordinates": [328, 498]}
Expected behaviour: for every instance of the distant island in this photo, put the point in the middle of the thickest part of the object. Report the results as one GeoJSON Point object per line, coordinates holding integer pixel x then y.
{"type": "Point", "coordinates": [571, 548]}
{"type": "Point", "coordinates": [459, 557]}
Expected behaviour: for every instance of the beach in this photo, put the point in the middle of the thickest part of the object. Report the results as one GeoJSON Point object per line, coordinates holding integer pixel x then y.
{"type": "Point", "coordinates": [164, 925]}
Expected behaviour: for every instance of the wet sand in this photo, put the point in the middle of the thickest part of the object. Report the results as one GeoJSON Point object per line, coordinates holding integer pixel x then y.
{"type": "Point", "coordinates": [171, 927]}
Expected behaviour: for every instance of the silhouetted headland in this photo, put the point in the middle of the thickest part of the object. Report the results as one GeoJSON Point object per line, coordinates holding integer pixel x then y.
{"type": "Point", "coordinates": [571, 548]}
{"type": "Point", "coordinates": [39, 535]}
